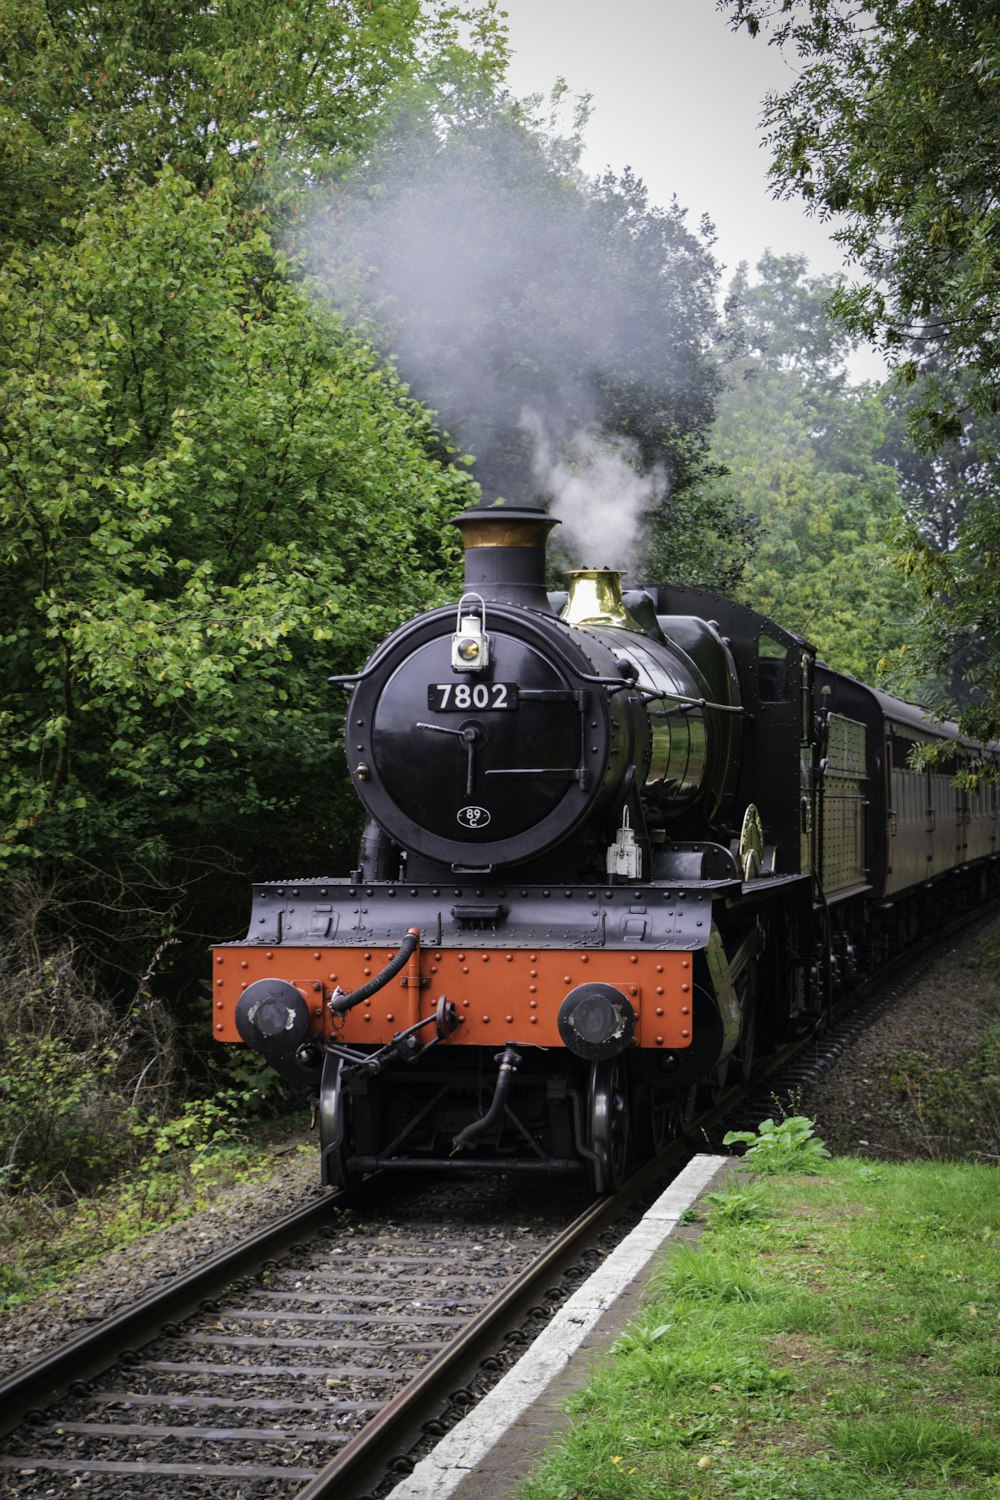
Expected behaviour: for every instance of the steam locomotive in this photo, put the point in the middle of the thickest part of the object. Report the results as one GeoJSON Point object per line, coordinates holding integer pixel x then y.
{"type": "Point", "coordinates": [616, 842]}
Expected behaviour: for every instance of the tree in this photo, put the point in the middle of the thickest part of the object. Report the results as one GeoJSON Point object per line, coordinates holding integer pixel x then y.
{"type": "Point", "coordinates": [892, 123]}
{"type": "Point", "coordinates": [948, 547]}
{"type": "Point", "coordinates": [211, 496]}
{"type": "Point", "coordinates": [271, 98]}
{"type": "Point", "coordinates": [801, 445]}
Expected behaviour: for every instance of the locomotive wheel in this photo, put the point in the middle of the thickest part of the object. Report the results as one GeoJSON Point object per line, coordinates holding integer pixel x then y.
{"type": "Point", "coordinates": [716, 1082]}
{"type": "Point", "coordinates": [608, 1123]}
{"type": "Point", "coordinates": [660, 1116]}
{"type": "Point", "coordinates": [742, 1060]}
{"type": "Point", "coordinates": [334, 1126]}
{"type": "Point", "coordinates": [682, 1109]}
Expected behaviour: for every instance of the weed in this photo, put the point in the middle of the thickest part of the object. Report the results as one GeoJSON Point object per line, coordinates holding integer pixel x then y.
{"type": "Point", "coordinates": [693, 1275]}
{"type": "Point", "coordinates": [783, 1146]}
{"type": "Point", "coordinates": [735, 1206]}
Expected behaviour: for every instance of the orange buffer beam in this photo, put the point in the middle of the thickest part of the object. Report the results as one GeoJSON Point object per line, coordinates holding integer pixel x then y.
{"type": "Point", "coordinates": [501, 994]}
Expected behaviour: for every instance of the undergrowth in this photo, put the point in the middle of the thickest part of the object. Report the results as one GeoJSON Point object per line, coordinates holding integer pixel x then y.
{"type": "Point", "coordinates": [104, 1135]}
{"type": "Point", "coordinates": [93, 1087]}
{"type": "Point", "coordinates": [187, 1163]}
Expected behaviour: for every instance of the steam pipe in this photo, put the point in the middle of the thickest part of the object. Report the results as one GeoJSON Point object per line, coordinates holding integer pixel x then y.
{"type": "Point", "coordinates": [508, 1060]}
{"type": "Point", "coordinates": [342, 1001]}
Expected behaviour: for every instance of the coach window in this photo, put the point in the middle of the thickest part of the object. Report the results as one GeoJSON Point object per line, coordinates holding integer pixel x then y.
{"type": "Point", "coordinates": [772, 669]}
{"type": "Point", "coordinates": [901, 747]}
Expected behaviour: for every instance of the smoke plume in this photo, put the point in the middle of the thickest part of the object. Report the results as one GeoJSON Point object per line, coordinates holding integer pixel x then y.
{"type": "Point", "coordinates": [559, 328]}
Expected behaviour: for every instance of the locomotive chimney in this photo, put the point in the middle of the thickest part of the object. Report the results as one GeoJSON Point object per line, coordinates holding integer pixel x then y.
{"type": "Point", "coordinates": [505, 554]}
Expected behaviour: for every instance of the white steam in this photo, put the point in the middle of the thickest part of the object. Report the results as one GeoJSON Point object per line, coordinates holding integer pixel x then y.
{"type": "Point", "coordinates": [502, 287]}
{"type": "Point", "coordinates": [596, 489]}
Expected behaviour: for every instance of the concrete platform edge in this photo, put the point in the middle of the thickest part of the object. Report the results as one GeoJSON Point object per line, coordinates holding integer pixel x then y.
{"type": "Point", "coordinates": [467, 1445]}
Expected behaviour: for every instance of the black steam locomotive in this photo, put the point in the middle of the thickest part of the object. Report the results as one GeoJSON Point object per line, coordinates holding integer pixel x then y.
{"type": "Point", "coordinates": [615, 843]}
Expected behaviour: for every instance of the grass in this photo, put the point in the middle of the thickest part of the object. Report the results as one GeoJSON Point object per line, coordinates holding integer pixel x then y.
{"type": "Point", "coordinates": [834, 1336]}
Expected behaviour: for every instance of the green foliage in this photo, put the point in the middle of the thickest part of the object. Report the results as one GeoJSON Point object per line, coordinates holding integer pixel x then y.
{"type": "Point", "coordinates": [891, 123]}
{"type": "Point", "coordinates": [196, 1129]}
{"type": "Point", "coordinates": [956, 637]}
{"type": "Point", "coordinates": [801, 447]}
{"type": "Point", "coordinates": [781, 1146]}
{"type": "Point", "coordinates": [242, 1075]}
{"type": "Point", "coordinates": [734, 1205]}
{"type": "Point", "coordinates": [212, 495]}
{"type": "Point", "coordinates": [63, 1123]}
{"type": "Point", "coordinates": [268, 100]}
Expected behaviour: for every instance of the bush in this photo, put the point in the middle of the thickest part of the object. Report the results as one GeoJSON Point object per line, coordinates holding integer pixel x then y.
{"type": "Point", "coordinates": [74, 1072]}
{"type": "Point", "coordinates": [63, 1122]}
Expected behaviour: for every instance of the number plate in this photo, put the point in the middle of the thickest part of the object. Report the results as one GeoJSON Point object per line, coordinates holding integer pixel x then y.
{"type": "Point", "coordinates": [468, 697]}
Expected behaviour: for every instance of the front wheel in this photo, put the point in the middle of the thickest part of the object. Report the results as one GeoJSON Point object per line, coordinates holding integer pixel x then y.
{"type": "Point", "coordinates": [660, 1116]}
{"type": "Point", "coordinates": [608, 1124]}
{"type": "Point", "coordinates": [335, 1127]}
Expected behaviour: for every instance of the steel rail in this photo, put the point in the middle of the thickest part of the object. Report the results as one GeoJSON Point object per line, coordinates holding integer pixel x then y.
{"type": "Point", "coordinates": [364, 1460]}
{"type": "Point", "coordinates": [49, 1376]}
{"type": "Point", "coordinates": [397, 1426]}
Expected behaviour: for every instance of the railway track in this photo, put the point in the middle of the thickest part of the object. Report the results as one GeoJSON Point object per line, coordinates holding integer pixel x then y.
{"type": "Point", "coordinates": [309, 1374]}
{"type": "Point", "coordinates": [314, 1355]}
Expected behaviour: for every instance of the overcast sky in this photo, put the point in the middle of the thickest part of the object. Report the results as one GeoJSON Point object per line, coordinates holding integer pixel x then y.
{"type": "Point", "coordinates": [677, 97]}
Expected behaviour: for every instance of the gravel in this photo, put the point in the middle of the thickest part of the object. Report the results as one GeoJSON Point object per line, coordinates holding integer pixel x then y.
{"type": "Point", "coordinates": [148, 1263]}
{"type": "Point", "coordinates": [865, 1108]}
